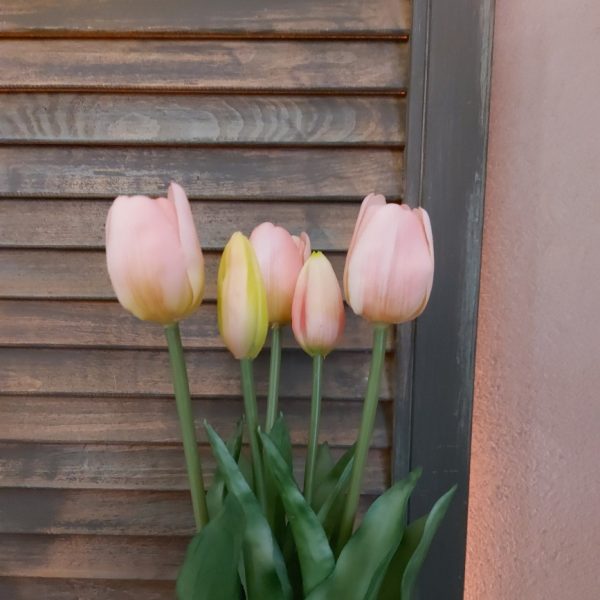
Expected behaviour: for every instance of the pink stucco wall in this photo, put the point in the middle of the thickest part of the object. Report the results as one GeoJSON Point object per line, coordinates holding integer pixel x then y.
{"type": "Point", "coordinates": [534, 516]}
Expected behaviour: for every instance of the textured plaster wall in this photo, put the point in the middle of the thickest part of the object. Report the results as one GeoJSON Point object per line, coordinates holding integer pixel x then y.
{"type": "Point", "coordinates": [534, 517]}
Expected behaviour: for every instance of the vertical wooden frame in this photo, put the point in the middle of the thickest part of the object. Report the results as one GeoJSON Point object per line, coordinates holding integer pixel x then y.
{"type": "Point", "coordinates": [445, 174]}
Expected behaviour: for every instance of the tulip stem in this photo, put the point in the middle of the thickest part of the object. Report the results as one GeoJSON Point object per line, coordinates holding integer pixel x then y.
{"type": "Point", "coordinates": [274, 370]}
{"type": "Point", "coordinates": [252, 422]}
{"type": "Point", "coordinates": [313, 436]}
{"type": "Point", "coordinates": [364, 435]}
{"type": "Point", "coordinates": [186, 422]}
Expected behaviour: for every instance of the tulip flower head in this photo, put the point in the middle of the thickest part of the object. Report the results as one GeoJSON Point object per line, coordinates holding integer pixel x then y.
{"type": "Point", "coordinates": [318, 309]}
{"type": "Point", "coordinates": [153, 256]}
{"type": "Point", "coordinates": [389, 268]}
{"type": "Point", "coordinates": [242, 299]}
{"type": "Point", "coordinates": [280, 257]}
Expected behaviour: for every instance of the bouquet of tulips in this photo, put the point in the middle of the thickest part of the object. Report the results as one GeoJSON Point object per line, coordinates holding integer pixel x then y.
{"type": "Point", "coordinates": [259, 535]}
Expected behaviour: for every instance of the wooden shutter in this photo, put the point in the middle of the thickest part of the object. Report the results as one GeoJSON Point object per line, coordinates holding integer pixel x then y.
{"type": "Point", "coordinates": [274, 110]}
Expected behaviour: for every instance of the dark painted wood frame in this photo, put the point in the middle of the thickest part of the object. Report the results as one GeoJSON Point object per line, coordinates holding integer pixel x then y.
{"type": "Point", "coordinates": [445, 173]}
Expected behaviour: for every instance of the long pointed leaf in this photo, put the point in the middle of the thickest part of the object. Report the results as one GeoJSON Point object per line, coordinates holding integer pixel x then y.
{"type": "Point", "coordinates": [216, 492]}
{"type": "Point", "coordinates": [209, 571]}
{"type": "Point", "coordinates": [325, 485]}
{"type": "Point", "coordinates": [404, 567]}
{"type": "Point", "coordinates": [323, 463]}
{"type": "Point", "coordinates": [363, 561]}
{"type": "Point", "coordinates": [280, 436]}
{"type": "Point", "coordinates": [264, 568]}
{"type": "Point", "coordinates": [315, 555]}
{"type": "Point", "coordinates": [332, 509]}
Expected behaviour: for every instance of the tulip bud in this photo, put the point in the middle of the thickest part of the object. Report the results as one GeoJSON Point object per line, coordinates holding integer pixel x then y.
{"type": "Point", "coordinates": [153, 256]}
{"type": "Point", "coordinates": [318, 308]}
{"type": "Point", "coordinates": [303, 243]}
{"type": "Point", "coordinates": [242, 299]}
{"type": "Point", "coordinates": [280, 257]}
{"type": "Point", "coordinates": [389, 268]}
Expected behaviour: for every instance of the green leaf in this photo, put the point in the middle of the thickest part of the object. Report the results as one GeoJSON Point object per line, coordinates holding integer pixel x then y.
{"type": "Point", "coordinates": [280, 436]}
{"type": "Point", "coordinates": [264, 568]}
{"type": "Point", "coordinates": [216, 492]}
{"type": "Point", "coordinates": [332, 509]}
{"type": "Point", "coordinates": [325, 485]}
{"type": "Point", "coordinates": [364, 559]}
{"type": "Point", "coordinates": [209, 570]}
{"type": "Point", "coordinates": [315, 555]}
{"type": "Point", "coordinates": [404, 568]}
{"type": "Point", "coordinates": [323, 464]}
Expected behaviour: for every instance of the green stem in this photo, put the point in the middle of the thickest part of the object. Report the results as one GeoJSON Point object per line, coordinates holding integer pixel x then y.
{"type": "Point", "coordinates": [274, 370]}
{"type": "Point", "coordinates": [252, 422]}
{"type": "Point", "coordinates": [313, 437]}
{"type": "Point", "coordinates": [364, 435]}
{"type": "Point", "coordinates": [186, 421]}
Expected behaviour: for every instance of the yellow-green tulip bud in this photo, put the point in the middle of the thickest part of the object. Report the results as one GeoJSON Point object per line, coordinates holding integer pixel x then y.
{"type": "Point", "coordinates": [242, 299]}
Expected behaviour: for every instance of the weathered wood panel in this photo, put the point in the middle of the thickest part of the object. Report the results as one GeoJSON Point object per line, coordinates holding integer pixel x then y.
{"type": "Point", "coordinates": [93, 556]}
{"type": "Point", "coordinates": [209, 65]}
{"type": "Point", "coordinates": [81, 274]}
{"type": "Point", "coordinates": [257, 174]}
{"type": "Point", "coordinates": [289, 112]}
{"type": "Point", "coordinates": [106, 324]}
{"type": "Point", "coordinates": [151, 420]}
{"type": "Point", "coordinates": [187, 119]}
{"type": "Point", "coordinates": [112, 512]}
{"type": "Point", "coordinates": [146, 373]}
{"type": "Point", "coordinates": [27, 588]}
{"type": "Point", "coordinates": [131, 467]}
{"type": "Point", "coordinates": [209, 17]}
{"type": "Point", "coordinates": [80, 223]}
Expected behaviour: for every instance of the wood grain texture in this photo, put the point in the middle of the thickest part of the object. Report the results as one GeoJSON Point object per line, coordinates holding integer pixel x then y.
{"type": "Point", "coordinates": [106, 324]}
{"type": "Point", "coordinates": [81, 274]}
{"type": "Point", "coordinates": [188, 17]}
{"type": "Point", "coordinates": [187, 119]}
{"type": "Point", "coordinates": [146, 373]}
{"type": "Point", "coordinates": [80, 223]}
{"type": "Point", "coordinates": [151, 420]}
{"type": "Point", "coordinates": [112, 512]}
{"type": "Point", "coordinates": [207, 66]}
{"type": "Point", "coordinates": [218, 173]}
{"type": "Point", "coordinates": [131, 467]}
{"type": "Point", "coordinates": [94, 556]}
{"type": "Point", "coordinates": [52, 588]}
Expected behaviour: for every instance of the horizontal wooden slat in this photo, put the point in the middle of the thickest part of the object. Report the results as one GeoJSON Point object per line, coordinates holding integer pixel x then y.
{"type": "Point", "coordinates": [181, 17]}
{"type": "Point", "coordinates": [219, 173]}
{"type": "Point", "coordinates": [102, 557]}
{"type": "Point", "coordinates": [201, 119]}
{"type": "Point", "coordinates": [106, 324]}
{"type": "Point", "coordinates": [146, 373]}
{"type": "Point", "coordinates": [126, 420]}
{"type": "Point", "coordinates": [37, 588]}
{"type": "Point", "coordinates": [108, 512]}
{"type": "Point", "coordinates": [131, 467]}
{"type": "Point", "coordinates": [186, 65]}
{"type": "Point", "coordinates": [80, 274]}
{"type": "Point", "coordinates": [80, 223]}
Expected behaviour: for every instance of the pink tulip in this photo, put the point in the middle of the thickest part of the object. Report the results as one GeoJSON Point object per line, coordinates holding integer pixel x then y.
{"type": "Point", "coordinates": [318, 308]}
{"type": "Point", "coordinates": [389, 267]}
{"type": "Point", "coordinates": [153, 256]}
{"type": "Point", "coordinates": [280, 257]}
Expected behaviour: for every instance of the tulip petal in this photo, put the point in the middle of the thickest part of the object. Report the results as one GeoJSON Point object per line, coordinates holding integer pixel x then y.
{"type": "Point", "coordinates": [368, 208]}
{"type": "Point", "coordinates": [390, 268]}
{"type": "Point", "coordinates": [188, 238]}
{"type": "Point", "coordinates": [145, 261]}
{"type": "Point", "coordinates": [318, 310]}
{"type": "Point", "coordinates": [280, 262]}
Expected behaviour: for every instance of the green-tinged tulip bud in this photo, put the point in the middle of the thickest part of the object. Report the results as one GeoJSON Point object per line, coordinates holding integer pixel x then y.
{"type": "Point", "coordinates": [242, 299]}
